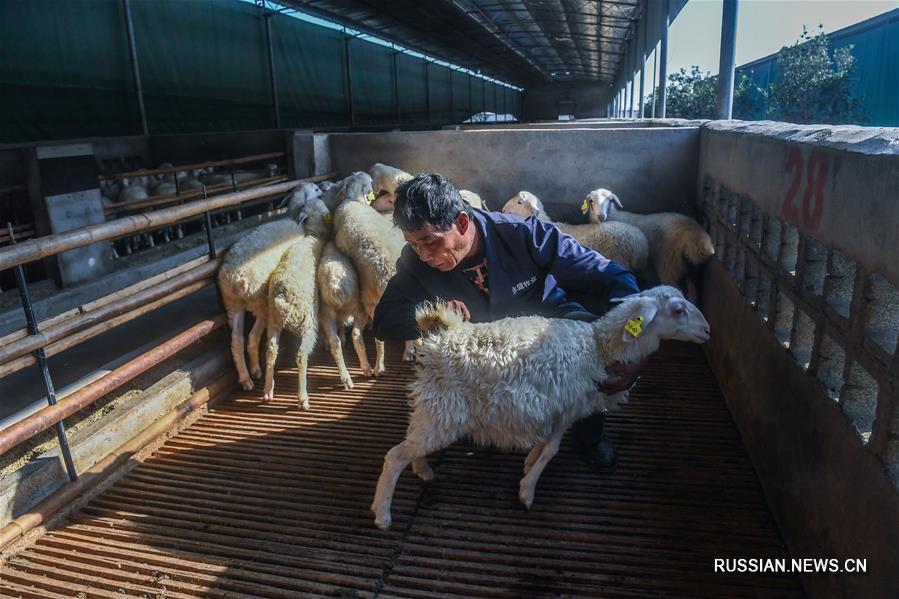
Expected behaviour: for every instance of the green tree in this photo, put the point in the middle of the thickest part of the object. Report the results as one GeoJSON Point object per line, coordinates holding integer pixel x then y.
{"type": "Point", "coordinates": [815, 84]}
{"type": "Point", "coordinates": [694, 95]}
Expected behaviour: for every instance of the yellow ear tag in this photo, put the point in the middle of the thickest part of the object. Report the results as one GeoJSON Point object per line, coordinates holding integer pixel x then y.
{"type": "Point", "coordinates": [634, 326]}
{"type": "Point", "coordinates": [584, 207]}
{"type": "Point", "coordinates": [329, 218]}
{"type": "Point", "coordinates": [370, 196]}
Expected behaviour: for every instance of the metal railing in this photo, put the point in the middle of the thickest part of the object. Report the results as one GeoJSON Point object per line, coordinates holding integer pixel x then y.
{"type": "Point", "coordinates": [40, 340]}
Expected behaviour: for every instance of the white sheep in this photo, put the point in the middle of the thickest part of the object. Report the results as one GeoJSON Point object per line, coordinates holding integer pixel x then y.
{"type": "Point", "coordinates": [164, 189]}
{"type": "Point", "coordinates": [519, 383]}
{"type": "Point", "coordinates": [387, 178]}
{"type": "Point", "coordinates": [383, 204]}
{"type": "Point", "coordinates": [473, 199]}
{"type": "Point", "coordinates": [244, 276]}
{"type": "Point", "coordinates": [293, 298]}
{"type": "Point", "coordinates": [191, 184]}
{"type": "Point", "coordinates": [338, 288]}
{"type": "Point", "coordinates": [132, 189]}
{"type": "Point", "coordinates": [675, 240]}
{"type": "Point", "coordinates": [623, 243]}
{"type": "Point", "coordinates": [373, 245]}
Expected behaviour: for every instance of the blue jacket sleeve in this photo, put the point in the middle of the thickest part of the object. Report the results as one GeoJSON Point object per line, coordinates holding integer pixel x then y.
{"type": "Point", "coordinates": [395, 313]}
{"type": "Point", "coordinates": [575, 267]}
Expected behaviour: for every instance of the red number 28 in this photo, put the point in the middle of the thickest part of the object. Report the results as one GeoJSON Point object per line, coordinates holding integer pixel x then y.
{"type": "Point", "coordinates": [813, 198]}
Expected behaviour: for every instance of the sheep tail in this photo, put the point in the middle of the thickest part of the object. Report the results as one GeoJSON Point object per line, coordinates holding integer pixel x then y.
{"type": "Point", "coordinates": [436, 316]}
{"type": "Point", "coordinates": [700, 250]}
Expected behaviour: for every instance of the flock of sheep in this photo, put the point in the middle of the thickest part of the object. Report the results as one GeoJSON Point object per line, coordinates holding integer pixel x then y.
{"type": "Point", "coordinates": [516, 383]}
{"type": "Point", "coordinates": [123, 191]}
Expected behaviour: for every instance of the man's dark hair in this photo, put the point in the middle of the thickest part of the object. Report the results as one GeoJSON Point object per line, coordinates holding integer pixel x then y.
{"type": "Point", "coordinates": [429, 197]}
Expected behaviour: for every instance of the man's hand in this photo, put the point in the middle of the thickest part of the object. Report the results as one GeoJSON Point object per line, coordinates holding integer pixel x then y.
{"type": "Point", "coordinates": [460, 307]}
{"type": "Point", "coordinates": [623, 376]}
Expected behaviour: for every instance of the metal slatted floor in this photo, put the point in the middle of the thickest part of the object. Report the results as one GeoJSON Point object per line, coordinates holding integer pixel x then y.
{"type": "Point", "coordinates": [262, 499]}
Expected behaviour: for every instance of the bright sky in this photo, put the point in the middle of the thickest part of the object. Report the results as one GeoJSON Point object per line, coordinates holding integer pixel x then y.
{"type": "Point", "coordinates": [763, 27]}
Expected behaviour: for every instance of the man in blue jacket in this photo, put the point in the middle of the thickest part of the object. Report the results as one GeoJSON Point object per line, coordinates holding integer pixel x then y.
{"type": "Point", "coordinates": [491, 266]}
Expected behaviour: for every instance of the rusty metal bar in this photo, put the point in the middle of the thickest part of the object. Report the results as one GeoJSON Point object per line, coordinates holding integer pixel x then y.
{"type": "Point", "coordinates": [190, 167]}
{"type": "Point", "coordinates": [188, 195]}
{"type": "Point", "coordinates": [41, 359]}
{"type": "Point", "coordinates": [102, 301]}
{"type": "Point", "coordinates": [43, 247]}
{"type": "Point", "coordinates": [47, 417]}
{"type": "Point", "coordinates": [41, 339]}
{"type": "Point", "coordinates": [115, 460]}
{"type": "Point", "coordinates": [89, 333]}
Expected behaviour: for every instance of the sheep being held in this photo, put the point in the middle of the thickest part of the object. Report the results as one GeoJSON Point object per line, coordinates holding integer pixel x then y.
{"type": "Point", "coordinates": [519, 383]}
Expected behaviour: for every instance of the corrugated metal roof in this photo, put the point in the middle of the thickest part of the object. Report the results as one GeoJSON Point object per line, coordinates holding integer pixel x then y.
{"type": "Point", "coordinates": [524, 42]}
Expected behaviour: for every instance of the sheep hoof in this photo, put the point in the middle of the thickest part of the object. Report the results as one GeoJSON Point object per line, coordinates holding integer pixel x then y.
{"type": "Point", "coordinates": [304, 403]}
{"type": "Point", "coordinates": [368, 371]}
{"type": "Point", "coordinates": [256, 373]}
{"type": "Point", "coordinates": [526, 496]}
{"type": "Point", "coordinates": [347, 383]}
{"type": "Point", "coordinates": [380, 372]}
{"type": "Point", "coordinates": [423, 471]}
{"type": "Point", "coordinates": [247, 385]}
{"type": "Point", "coordinates": [382, 520]}
{"type": "Point", "coordinates": [268, 396]}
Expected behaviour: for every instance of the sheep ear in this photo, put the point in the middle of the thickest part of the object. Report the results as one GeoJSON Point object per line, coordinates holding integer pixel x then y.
{"type": "Point", "coordinates": [644, 310]}
{"type": "Point", "coordinates": [625, 298]}
{"type": "Point", "coordinates": [605, 209]}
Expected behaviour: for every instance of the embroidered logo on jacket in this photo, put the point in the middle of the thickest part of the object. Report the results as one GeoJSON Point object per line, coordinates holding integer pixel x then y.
{"type": "Point", "coordinates": [518, 288]}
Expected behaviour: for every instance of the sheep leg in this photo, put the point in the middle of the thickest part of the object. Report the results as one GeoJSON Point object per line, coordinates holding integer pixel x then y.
{"type": "Point", "coordinates": [329, 325]}
{"type": "Point", "coordinates": [532, 457]}
{"type": "Point", "coordinates": [359, 344]}
{"type": "Point", "coordinates": [253, 347]}
{"type": "Point", "coordinates": [421, 468]}
{"type": "Point", "coordinates": [395, 462]}
{"type": "Point", "coordinates": [271, 356]}
{"type": "Point", "coordinates": [379, 358]}
{"type": "Point", "coordinates": [302, 366]}
{"type": "Point", "coordinates": [237, 349]}
{"type": "Point", "coordinates": [409, 351]}
{"type": "Point", "coordinates": [529, 481]}
{"type": "Point", "coordinates": [307, 343]}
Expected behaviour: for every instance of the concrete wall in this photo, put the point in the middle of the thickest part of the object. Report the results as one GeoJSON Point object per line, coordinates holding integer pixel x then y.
{"type": "Point", "coordinates": [652, 169]}
{"type": "Point", "coordinates": [804, 312]}
{"type": "Point", "coordinates": [586, 99]}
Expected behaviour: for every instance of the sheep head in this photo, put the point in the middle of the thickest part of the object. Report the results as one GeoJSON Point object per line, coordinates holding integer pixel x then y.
{"type": "Point", "coordinates": [386, 178]}
{"type": "Point", "coordinates": [524, 204]}
{"type": "Point", "coordinates": [384, 203]}
{"type": "Point", "coordinates": [356, 188]}
{"type": "Point", "coordinates": [306, 192]}
{"type": "Point", "coordinates": [658, 313]}
{"type": "Point", "coordinates": [316, 219]}
{"type": "Point", "coordinates": [599, 203]}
